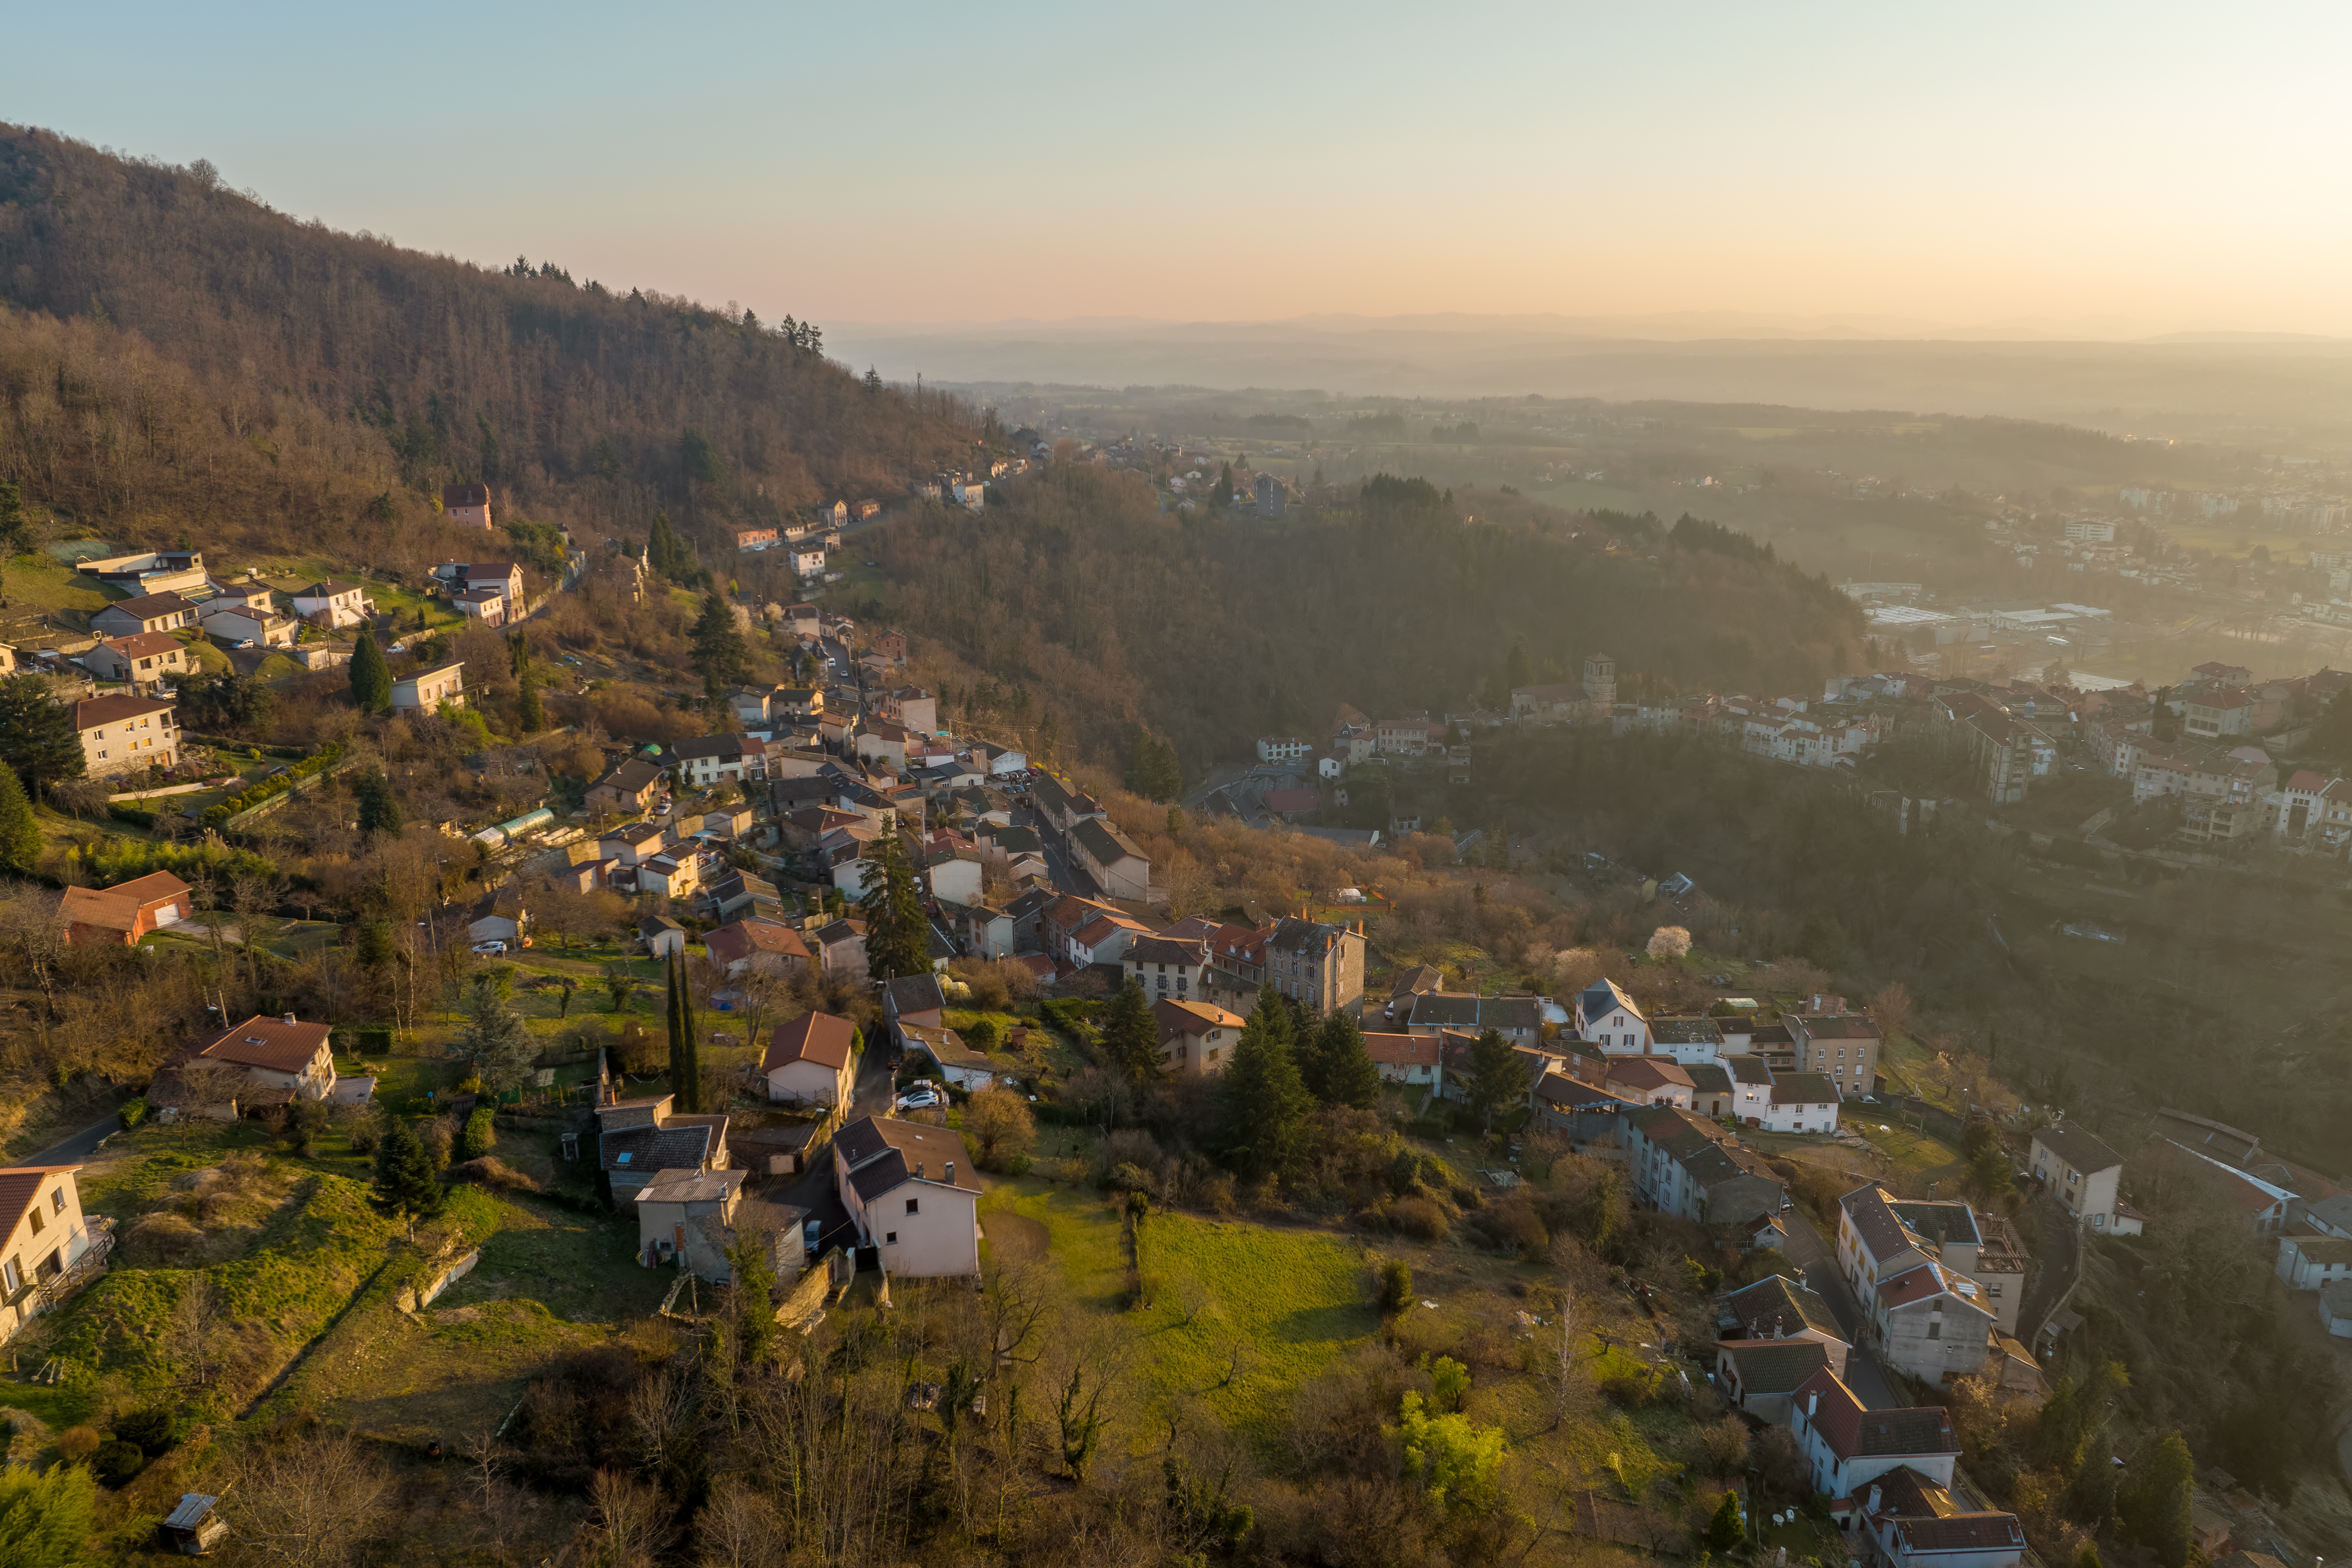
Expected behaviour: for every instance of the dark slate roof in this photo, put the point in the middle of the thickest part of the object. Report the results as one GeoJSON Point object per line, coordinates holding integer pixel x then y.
{"type": "Point", "coordinates": [1165, 950]}
{"type": "Point", "coordinates": [1107, 843]}
{"type": "Point", "coordinates": [681, 1146]}
{"type": "Point", "coordinates": [1687, 1031]}
{"type": "Point", "coordinates": [1805, 1088]}
{"type": "Point", "coordinates": [914, 994]}
{"type": "Point", "coordinates": [1941, 1222]}
{"type": "Point", "coordinates": [1747, 1069]}
{"type": "Point", "coordinates": [1778, 1300]}
{"type": "Point", "coordinates": [2079, 1149]}
{"type": "Point", "coordinates": [1443, 1009]}
{"type": "Point", "coordinates": [1877, 1222]}
{"type": "Point", "coordinates": [882, 1153]}
{"type": "Point", "coordinates": [1708, 1078]}
{"type": "Point", "coordinates": [1018, 840]}
{"type": "Point", "coordinates": [1776, 1367]}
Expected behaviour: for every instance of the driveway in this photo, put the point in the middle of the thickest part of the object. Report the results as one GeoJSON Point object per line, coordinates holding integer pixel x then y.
{"type": "Point", "coordinates": [1809, 1252]}
{"type": "Point", "coordinates": [78, 1148]}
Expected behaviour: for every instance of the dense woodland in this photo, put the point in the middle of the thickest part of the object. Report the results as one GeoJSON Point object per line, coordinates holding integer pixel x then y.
{"type": "Point", "coordinates": [1389, 596]}
{"type": "Point", "coordinates": [175, 357]}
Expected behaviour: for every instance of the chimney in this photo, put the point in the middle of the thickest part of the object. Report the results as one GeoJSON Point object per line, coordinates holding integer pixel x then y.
{"type": "Point", "coordinates": [951, 1172]}
{"type": "Point", "coordinates": [919, 1172]}
{"type": "Point", "coordinates": [290, 1017]}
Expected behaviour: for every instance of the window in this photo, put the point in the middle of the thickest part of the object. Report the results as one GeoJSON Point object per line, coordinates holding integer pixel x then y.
{"type": "Point", "coordinates": [58, 1201]}
{"type": "Point", "coordinates": [12, 1276]}
{"type": "Point", "coordinates": [38, 1221]}
{"type": "Point", "coordinates": [914, 1206]}
{"type": "Point", "coordinates": [890, 1239]}
{"type": "Point", "coordinates": [1934, 1328]}
{"type": "Point", "coordinates": [1992, 1288]}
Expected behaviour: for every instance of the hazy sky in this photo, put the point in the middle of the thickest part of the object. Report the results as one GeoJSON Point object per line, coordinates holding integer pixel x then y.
{"type": "Point", "coordinates": [2132, 168]}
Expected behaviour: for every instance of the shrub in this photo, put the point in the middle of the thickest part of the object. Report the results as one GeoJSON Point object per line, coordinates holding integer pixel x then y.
{"type": "Point", "coordinates": [1628, 1384]}
{"type": "Point", "coordinates": [1419, 1218]}
{"type": "Point", "coordinates": [1511, 1227]}
{"type": "Point", "coordinates": [489, 1170]}
{"type": "Point", "coordinates": [154, 1427]}
{"type": "Point", "coordinates": [480, 1136]}
{"type": "Point", "coordinates": [133, 1113]}
{"type": "Point", "coordinates": [118, 1462]}
{"type": "Point", "coordinates": [78, 1442]}
{"type": "Point", "coordinates": [1396, 1286]}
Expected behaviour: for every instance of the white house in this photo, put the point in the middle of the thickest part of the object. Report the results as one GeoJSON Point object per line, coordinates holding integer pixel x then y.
{"type": "Point", "coordinates": [43, 1239]}
{"type": "Point", "coordinates": [1282, 749]}
{"type": "Point", "coordinates": [687, 1218]}
{"type": "Point", "coordinates": [2083, 1174]}
{"type": "Point", "coordinates": [332, 603]}
{"type": "Point", "coordinates": [1800, 1102]}
{"type": "Point", "coordinates": [1777, 1308]}
{"type": "Point", "coordinates": [958, 1063]}
{"type": "Point", "coordinates": [1610, 1020]}
{"type": "Point", "coordinates": [812, 1060]}
{"type": "Point", "coordinates": [281, 1055]}
{"type": "Point", "coordinates": [428, 689]}
{"type": "Point", "coordinates": [265, 628]}
{"type": "Point", "coordinates": [1929, 1320]}
{"type": "Point", "coordinates": [1913, 1522]}
{"type": "Point", "coordinates": [2313, 1262]}
{"type": "Point", "coordinates": [1408, 1058]}
{"type": "Point", "coordinates": [1690, 1041]}
{"type": "Point", "coordinates": [911, 1192]}
{"type": "Point", "coordinates": [1847, 1447]}
{"type": "Point", "coordinates": [808, 563]}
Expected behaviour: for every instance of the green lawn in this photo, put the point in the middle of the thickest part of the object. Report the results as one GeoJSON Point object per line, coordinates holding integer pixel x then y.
{"type": "Point", "coordinates": [1294, 1300]}
{"type": "Point", "coordinates": [1911, 1151]}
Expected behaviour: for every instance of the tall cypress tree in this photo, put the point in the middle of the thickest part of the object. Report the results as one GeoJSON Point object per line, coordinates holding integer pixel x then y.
{"type": "Point", "coordinates": [685, 1072]}
{"type": "Point", "coordinates": [371, 677]}
{"type": "Point", "coordinates": [1130, 1036]}
{"type": "Point", "coordinates": [532, 716]}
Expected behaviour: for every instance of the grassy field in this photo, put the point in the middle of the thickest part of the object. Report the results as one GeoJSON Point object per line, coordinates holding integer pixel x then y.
{"type": "Point", "coordinates": [1293, 1300]}
{"type": "Point", "coordinates": [1578, 496]}
{"type": "Point", "coordinates": [550, 1280]}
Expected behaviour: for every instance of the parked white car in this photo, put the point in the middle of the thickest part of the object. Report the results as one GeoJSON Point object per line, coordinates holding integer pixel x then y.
{"type": "Point", "coordinates": [489, 949]}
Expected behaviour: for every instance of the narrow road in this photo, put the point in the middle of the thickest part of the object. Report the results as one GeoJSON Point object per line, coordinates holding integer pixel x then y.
{"type": "Point", "coordinates": [1810, 1253]}
{"type": "Point", "coordinates": [814, 1189]}
{"type": "Point", "coordinates": [78, 1147]}
{"type": "Point", "coordinates": [2054, 1268]}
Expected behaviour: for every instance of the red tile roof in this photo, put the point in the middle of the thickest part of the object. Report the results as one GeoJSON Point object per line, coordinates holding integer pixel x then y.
{"type": "Point", "coordinates": [272, 1044]}
{"type": "Point", "coordinates": [820, 1037]}
{"type": "Point", "coordinates": [19, 1187]}
{"type": "Point", "coordinates": [1852, 1432]}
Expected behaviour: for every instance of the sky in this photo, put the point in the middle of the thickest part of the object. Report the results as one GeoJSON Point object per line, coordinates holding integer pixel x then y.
{"type": "Point", "coordinates": [2089, 169]}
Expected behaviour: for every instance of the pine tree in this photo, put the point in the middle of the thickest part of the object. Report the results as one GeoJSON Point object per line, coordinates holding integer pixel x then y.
{"type": "Point", "coordinates": [531, 714]}
{"type": "Point", "coordinates": [897, 934]}
{"type": "Point", "coordinates": [1263, 1108]}
{"type": "Point", "coordinates": [1498, 1075]}
{"type": "Point", "coordinates": [36, 734]}
{"type": "Point", "coordinates": [379, 808]}
{"type": "Point", "coordinates": [1723, 1530]}
{"type": "Point", "coordinates": [404, 1182]}
{"type": "Point", "coordinates": [494, 1041]}
{"type": "Point", "coordinates": [45, 1518]}
{"type": "Point", "coordinates": [20, 834]}
{"type": "Point", "coordinates": [1343, 1073]}
{"type": "Point", "coordinates": [720, 653]}
{"type": "Point", "coordinates": [371, 677]}
{"type": "Point", "coordinates": [1130, 1036]}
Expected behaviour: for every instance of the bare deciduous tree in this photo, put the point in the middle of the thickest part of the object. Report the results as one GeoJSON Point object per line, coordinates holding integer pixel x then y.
{"type": "Point", "coordinates": [315, 1503]}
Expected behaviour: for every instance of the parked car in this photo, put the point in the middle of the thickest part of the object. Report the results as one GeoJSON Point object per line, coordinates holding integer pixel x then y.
{"type": "Point", "coordinates": [922, 1096]}
{"type": "Point", "coordinates": [489, 949]}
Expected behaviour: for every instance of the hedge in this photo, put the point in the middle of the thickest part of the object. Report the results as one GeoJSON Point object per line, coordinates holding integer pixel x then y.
{"type": "Point", "coordinates": [223, 743]}
{"type": "Point", "coordinates": [276, 784]}
{"type": "Point", "coordinates": [123, 810]}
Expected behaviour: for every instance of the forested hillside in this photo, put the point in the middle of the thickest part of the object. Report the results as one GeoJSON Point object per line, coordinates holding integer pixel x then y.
{"type": "Point", "coordinates": [174, 355]}
{"type": "Point", "coordinates": [1214, 629]}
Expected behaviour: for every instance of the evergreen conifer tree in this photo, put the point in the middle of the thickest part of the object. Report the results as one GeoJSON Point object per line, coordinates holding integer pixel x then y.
{"type": "Point", "coordinates": [1341, 1070]}
{"type": "Point", "coordinates": [533, 713]}
{"type": "Point", "coordinates": [720, 653]}
{"type": "Point", "coordinates": [2155, 1498]}
{"type": "Point", "coordinates": [1262, 1107]}
{"type": "Point", "coordinates": [20, 832]}
{"type": "Point", "coordinates": [404, 1182]}
{"type": "Point", "coordinates": [494, 1041]}
{"type": "Point", "coordinates": [36, 734]}
{"type": "Point", "coordinates": [685, 1067]}
{"type": "Point", "coordinates": [1130, 1036]}
{"type": "Point", "coordinates": [371, 677]}
{"type": "Point", "coordinates": [897, 934]}
{"type": "Point", "coordinates": [1498, 1075]}
{"type": "Point", "coordinates": [379, 808]}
